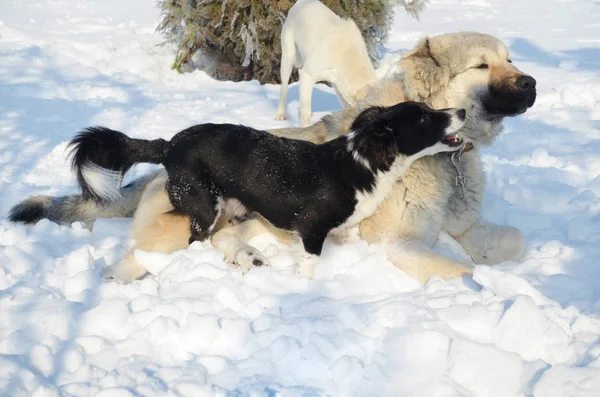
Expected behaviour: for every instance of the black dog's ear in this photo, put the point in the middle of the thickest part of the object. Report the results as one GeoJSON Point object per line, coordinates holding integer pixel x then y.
{"type": "Point", "coordinates": [387, 115]}
{"type": "Point", "coordinates": [386, 130]}
{"type": "Point", "coordinates": [366, 117]}
{"type": "Point", "coordinates": [385, 123]}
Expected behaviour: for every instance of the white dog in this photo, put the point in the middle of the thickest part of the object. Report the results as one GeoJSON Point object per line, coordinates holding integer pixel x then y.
{"type": "Point", "coordinates": [324, 47]}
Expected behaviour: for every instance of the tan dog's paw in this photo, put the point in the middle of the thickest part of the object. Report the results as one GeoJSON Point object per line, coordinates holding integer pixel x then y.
{"type": "Point", "coordinates": [248, 257]}
{"type": "Point", "coordinates": [349, 235]}
{"type": "Point", "coordinates": [124, 271]}
{"type": "Point", "coordinates": [280, 117]}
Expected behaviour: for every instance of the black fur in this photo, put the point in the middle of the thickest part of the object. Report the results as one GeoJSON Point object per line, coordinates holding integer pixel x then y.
{"type": "Point", "coordinates": [503, 101]}
{"type": "Point", "coordinates": [430, 54]}
{"type": "Point", "coordinates": [295, 184]}
{"type": "Point", "coordinates": [112, 150]}
{"type": "Point", "coordinates": [29, 212]}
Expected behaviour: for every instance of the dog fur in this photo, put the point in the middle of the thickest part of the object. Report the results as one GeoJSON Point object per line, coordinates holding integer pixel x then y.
{"type": "Point", "coordinates": [297, 185]}
{"type": "Point", "coordinates": [324, 47]}
{"type": "Point", "coordinates": [442, 71]}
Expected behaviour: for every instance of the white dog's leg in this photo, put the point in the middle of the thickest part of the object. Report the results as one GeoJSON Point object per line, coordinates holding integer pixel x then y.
{"type": "Point", "coordinates": [490, 244]}
{"type": "Point", "coordinates": [288, 56]}
{"type": "Point", "coordinates": [306, 86]}
{"type": "Point", "coordinates": [421, 263]}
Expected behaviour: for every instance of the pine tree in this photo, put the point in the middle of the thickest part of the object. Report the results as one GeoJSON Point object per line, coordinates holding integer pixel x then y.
{"type": "Point", "coordinates": [242, 37]}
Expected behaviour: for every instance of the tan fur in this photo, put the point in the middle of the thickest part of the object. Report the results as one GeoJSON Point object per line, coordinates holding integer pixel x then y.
{"type": "Point", "coordinates": [503, 74]}
{"type": "Point", "coordinates": [155, 229]}
{"type": "Point", "coordinates": [421, 263]}
{"type": "Point", "coordinates": [441, 72]}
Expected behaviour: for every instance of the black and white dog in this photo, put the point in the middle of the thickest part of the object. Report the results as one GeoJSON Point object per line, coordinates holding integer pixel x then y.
{"type": "Point", "coordinates": [296, 185]}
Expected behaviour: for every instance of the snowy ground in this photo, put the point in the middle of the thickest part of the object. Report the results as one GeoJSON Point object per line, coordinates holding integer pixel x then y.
{"type": "Point", "coordinates": [200, 327]}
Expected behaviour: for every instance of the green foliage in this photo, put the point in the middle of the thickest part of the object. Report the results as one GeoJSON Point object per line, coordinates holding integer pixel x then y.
{"type": "Point", "coordinates": [242, 37]}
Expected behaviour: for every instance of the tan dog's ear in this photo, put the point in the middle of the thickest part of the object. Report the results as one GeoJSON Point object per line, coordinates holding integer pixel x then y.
{"type": "Point", "coordinates": [423, 74]}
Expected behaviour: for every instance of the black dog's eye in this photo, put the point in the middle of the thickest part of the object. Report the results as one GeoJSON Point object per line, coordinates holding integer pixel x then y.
{"type": "Point", "coordinates": [482, 66]}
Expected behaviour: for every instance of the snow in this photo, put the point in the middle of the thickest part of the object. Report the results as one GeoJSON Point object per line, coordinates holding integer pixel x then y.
{"type": "Point", "coordinates": [200, 327]}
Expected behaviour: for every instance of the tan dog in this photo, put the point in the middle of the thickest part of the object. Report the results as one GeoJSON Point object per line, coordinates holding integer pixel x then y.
{"type": "Point", "coordinates": [468, 70]}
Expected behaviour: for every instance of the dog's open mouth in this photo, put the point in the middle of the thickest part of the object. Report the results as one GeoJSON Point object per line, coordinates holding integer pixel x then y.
{"type": "Point", "coordinates": [452, 140]}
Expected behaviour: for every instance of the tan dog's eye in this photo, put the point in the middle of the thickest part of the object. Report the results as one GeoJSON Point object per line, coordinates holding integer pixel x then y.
{"type": "Point", "coordinates": [482, 66]}
{"type": "Point", "coordinates": [509, 60]}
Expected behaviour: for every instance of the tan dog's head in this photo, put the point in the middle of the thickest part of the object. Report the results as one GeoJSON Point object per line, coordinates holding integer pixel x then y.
{"type": "Point", "coordinates": [472, 71]}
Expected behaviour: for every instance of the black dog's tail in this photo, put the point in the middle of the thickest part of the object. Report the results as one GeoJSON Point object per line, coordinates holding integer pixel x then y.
{"type": "Point", "coordinates": [101, 157]}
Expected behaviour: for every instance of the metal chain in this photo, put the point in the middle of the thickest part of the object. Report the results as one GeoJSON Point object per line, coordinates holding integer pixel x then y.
{"type": "Point", "coordinates": [459, 181]}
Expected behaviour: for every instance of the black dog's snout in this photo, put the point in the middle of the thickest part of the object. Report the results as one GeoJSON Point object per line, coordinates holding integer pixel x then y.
{"type": "Point", "coordinates": [462, 114]}
{"type": "Point", "coordinates": [526, 83]}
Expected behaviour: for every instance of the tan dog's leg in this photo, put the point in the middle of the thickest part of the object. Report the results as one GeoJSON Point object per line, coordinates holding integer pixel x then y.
{"type": "Point", "coordinates": [490, 244]}
{"type": "Point", "coordinates": [409, 222]}
{"type": "Point", "coordinates": [233, 241]}
{"type": "Point", "coordinates": [418, 260]}
{"type": "Point", "coordinates": [153, 229]}
{"type": "Point", "coordinates": [166, 234]}
{"type": "Point", "coordinates": [486, 242]}
{"type": "Point", "coordinates": [421, 263]}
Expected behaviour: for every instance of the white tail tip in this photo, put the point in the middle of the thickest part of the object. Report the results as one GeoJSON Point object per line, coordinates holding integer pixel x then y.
{"type": "Point", "coordinates": [104, 183]}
